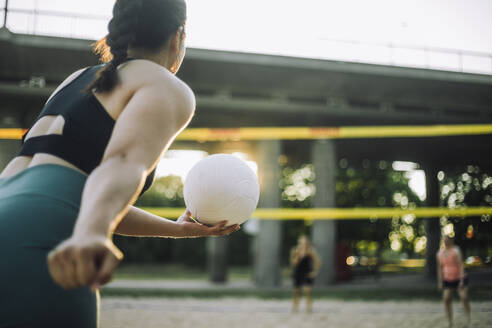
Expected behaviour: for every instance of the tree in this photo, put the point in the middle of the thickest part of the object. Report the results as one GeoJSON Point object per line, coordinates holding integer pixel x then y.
{"type": "Point", "coordinates": [361, 184]}
{"type": "Point", "coordinates": [468, 186]}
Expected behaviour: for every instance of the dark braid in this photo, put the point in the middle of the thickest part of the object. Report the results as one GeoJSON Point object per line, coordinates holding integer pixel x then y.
{"type": "Point", "coordinates": [122, 29]}
{"type": "Point", "coordinates": [142, 24]}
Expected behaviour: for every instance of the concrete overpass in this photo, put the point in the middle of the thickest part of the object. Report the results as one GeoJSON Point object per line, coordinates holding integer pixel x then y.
{"type": "Point", "coordinates": [240, 89]}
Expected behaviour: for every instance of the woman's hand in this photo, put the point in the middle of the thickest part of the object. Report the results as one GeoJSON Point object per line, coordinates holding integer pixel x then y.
{"type": "Point", "coordinates": [84, 261]}
{"type": "Point", "coordinates": [192, 229]}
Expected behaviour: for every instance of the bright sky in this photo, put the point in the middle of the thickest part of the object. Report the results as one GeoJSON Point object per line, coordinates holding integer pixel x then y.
{"type": "Point", "coordinates": [304, 28]}
{"type": "Point", "coordinates": [416, 177]}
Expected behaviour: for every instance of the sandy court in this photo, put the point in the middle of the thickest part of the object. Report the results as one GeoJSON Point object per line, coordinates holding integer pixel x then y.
{"type": "Point", "coordinates": [250, 312]}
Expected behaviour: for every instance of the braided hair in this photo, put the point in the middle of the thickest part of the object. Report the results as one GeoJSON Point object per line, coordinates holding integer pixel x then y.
{"type": "Point", "coordinates": [145, 24]}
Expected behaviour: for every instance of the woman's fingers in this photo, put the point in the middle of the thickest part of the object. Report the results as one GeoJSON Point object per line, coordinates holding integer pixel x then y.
{"type": "Point", "coordinates": [220, 225]}
{"type": "Point", "coordinates": [70, 269]}
{"type": "Point", "coordinates": [231, 229]}
{"type": "Point", "coordinates": [63, 268]}
{"type": "Point", "coordinates": [197, 229]}
{"type": "Point", "coordinates": [108, 264]}
{"type": "Point", "coordinates": [55, 268]}
{"type": "Point", "coordinates": [215, 229]}
{"type": "Point", "coordinates": [86, 269]}
{"type": "Point", "coordinates": [221, 229]}
{"type": "Point", "coordinates": [73, 267]}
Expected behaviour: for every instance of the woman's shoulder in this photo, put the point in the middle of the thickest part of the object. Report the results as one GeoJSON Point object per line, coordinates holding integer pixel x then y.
{"type": "Point", "coordinates": [140, 73]}
{"type": "Point", "coordinates": [145, 72]}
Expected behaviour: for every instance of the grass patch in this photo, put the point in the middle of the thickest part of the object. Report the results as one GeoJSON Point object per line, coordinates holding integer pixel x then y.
{"type": "Point", "coordinates": [159, 272]}
{"type": "Point", "coordinates": [174, 272]}
{"type": "Point", "coordinates": [346, 294]}
{"type": "Point", "coordinates": [181, 272]}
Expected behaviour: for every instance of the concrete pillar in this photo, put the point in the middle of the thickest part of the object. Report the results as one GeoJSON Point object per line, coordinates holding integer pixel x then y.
{"type": "Point", "coordinates": [268, 242]}
{"type": "Point", "coordinates": [5, 13]}
{"type": "Point", "coordinates": [324, 231]}
{"type": "Point", "coordinates": [8, 148]}
{"type": "Point", "coordinates": [217, 258]}
{"type": "Point", "coordinates": [432, 225]}
{"type": "Point", "coordinates": [216, 246]}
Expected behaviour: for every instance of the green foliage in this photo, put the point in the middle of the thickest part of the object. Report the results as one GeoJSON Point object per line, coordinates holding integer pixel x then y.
{"type": "Point", "coordinates": [365, 184]}
{"type": "Point", "coordinates": [376, 184]}
{"type": "Point", "coordinates": [297, 185]}
{"type": "Point", "coordinates": [468, 186]}
{"type": "Point", "coordinates": [165, 192]}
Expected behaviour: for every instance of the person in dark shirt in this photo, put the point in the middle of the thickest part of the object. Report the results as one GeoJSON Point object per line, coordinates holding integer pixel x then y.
{"type": "Point", "coordinates": [305, 264]}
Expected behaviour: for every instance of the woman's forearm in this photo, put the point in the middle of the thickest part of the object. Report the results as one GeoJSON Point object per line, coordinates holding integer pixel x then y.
{"type": "Point", "coordinates": [462, 270]}
{"type": "Point", "coordinates": [108, 193]}
{"type": "Point", "coordinates": [139, 223]}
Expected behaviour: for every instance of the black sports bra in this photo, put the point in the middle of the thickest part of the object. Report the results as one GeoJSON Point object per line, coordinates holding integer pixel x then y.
{"type": "Point", "coordinates": [87, 130]}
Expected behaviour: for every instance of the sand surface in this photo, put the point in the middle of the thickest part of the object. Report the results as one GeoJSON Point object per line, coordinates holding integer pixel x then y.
{"type": "Point", "coordinates": [250, 312]}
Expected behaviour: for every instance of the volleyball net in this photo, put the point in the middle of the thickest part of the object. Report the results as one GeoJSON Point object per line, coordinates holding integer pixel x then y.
{"type": "Point", "coordinates": [313, 133]}
{"type": "Point", "coordinates": [317, 133]}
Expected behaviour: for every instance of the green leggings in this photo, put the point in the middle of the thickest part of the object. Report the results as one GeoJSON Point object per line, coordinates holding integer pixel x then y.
{"type": "Point", "coordinates": [38, 209]}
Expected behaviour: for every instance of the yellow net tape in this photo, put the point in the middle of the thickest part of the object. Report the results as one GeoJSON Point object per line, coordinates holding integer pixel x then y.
{"type": "Point", "coordinates": [347, 132]}
{"type": "Point", "coordinates": [344, 213]}
{"type": "Point", "coordinates": [12, 134]}
{"type": "Point", "coordinates": [306, 133]}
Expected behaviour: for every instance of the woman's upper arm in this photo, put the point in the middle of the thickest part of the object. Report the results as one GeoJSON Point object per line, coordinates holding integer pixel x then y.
{"type": "Point", "coordinates": [153, 117]}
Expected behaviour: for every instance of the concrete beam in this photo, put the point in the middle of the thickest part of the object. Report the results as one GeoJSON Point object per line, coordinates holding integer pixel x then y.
{"type": "Point", "coordinates": [50, 42]}
{"type": "Point", "coordinates": [324, 109]}
{"type": "Point", "coordinates": [334, 66]}
{"type": "Point", "coordinates": [306, 85]}
{"type": "Point", "coordinates": [207, 55]}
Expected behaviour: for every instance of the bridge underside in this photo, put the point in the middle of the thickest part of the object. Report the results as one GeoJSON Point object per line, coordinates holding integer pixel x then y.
{"type": "Point", "coordinates": [237, 89]}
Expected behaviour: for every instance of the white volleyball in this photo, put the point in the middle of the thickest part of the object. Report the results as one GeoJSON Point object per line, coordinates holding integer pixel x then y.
{"type": "Point", "coordinates": [221, 187]}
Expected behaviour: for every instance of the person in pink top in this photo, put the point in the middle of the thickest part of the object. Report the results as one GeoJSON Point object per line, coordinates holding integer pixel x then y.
{"type": "Point", "coordinates": [451, 276]}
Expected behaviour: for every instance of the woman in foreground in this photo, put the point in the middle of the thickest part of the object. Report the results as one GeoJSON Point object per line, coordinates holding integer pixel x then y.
{"type": "Point", "coordinates": [87, 158]}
